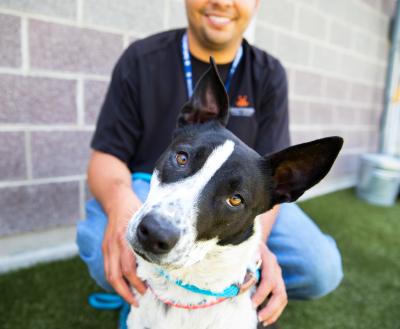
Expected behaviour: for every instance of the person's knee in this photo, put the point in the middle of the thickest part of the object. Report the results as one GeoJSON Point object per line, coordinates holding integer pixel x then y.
{"type": "Point", "coordinates": [324, 273]}
{"type": "Point", "coordinates": [89, 241]}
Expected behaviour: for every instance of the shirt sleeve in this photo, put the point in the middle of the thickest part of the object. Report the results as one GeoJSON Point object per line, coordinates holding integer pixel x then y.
{"type": "Point", "coordinates": [119, 124]}
{"type": "Point", "coordinates": [273, 130]}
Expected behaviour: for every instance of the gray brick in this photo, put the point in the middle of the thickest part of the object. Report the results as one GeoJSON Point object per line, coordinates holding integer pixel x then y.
{"type": "Point", "coordinates": [341, 34]}
{"type": "Point", "coordinates": [337, 8]}
{"type": "Point", "coordinates": [95, 92]}
{"type": "Point", "coordinates": [303, 136]}
{"type": "Point", "coordinates": [38, 207]}
{"type": "Point", "coordinates": [265, 38]}
{"type": "Point", "coordinates": [277, 12]}
{"type": "Point", "coordinates": [327, 132]}
{"type": "Point", "coordinates": [356, 138]}
{"type": "Point", "coordinates": [375, 4]}
{"type": "Point", "coordinates": [370, 116]}
{"type": "Point", "coordinates": [312, 23]}
{"type": "Point", "coordinates": [346, 164]}
{"type": "Point", "coordinates": [364, 18]}
{"type": "Point", "coordinates": [363, 93]}
{"type": "Point", "coordinates": [307, 84]}
{"type": "Point", "coordinates": [298, 112]}
{"type": "Point", "coordinates": [37, 100]}
{"type": "Point", "coordinates": [65, 48]}
{"type": "Point", "coordinates": [59, 8]}
{"type": "Point", "coordinates": [320, 113]}
{"type": "Point", "coordinates": [140, 16]}
{"type": "Point", "coordinates": [357, 68]}
{"type": "Point", "coordinates": [12, 155]}
{"type": "Point", "coordinates": [10, 41]}
{"type": "Point", "coordinates": [292, 49]}
{"type": "Point", "coordinates": [60, 153]}
{"type": "Point", "coordinates": [337, 89]}
{"type": "Point", "coordinates": [326, 58]}
{"type": "Point", "coordinates": [345, 115]}
{"type": "Point", "coordinates": [370, 46]}
{"type": "Point", "coordinates": [177, 14]}
{"type": "Point", "coordinates": [388, 7]}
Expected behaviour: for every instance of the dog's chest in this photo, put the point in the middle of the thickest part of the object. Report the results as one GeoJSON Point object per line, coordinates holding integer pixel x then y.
{"type": "Point", "coordinates": [153, 314]}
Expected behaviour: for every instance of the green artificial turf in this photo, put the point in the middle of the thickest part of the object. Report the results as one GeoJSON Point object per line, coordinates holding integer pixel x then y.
{"type": "Point", "coordinates": [54, 295]}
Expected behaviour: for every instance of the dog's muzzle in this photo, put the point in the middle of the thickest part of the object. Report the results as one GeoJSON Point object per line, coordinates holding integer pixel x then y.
{"type": "Point", "coordinates": [156, 235]}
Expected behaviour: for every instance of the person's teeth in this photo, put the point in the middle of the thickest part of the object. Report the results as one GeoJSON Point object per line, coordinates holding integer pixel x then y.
{"type": "Point", "coordinates": [219, 19]}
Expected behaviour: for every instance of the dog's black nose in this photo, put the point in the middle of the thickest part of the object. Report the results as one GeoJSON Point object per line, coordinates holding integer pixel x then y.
{"type": "Point", "coordinates": [156, 234]}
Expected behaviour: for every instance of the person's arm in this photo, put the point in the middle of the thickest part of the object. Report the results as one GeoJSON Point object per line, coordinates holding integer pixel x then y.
{"type": "Point", "coordinates": [273, 136]}
{"type": "Point", "coordinates": [114, 144]}
{"type": "Point", "coordinates": [267, 221]}
{"type": "Point", "coordinates": [109, 180]}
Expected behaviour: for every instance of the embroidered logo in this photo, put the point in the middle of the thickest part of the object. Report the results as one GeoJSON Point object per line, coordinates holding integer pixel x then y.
{"type": "Point", "coordinates": [242, 101]}
{"type": "Point", "coordinates": [242, 107]}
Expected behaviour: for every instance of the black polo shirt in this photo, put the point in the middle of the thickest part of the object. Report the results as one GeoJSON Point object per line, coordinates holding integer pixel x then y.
{"type": "Point", "coordinates": [148, 89]}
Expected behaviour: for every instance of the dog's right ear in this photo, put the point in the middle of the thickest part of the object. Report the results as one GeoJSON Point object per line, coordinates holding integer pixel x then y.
{"type": "Point", "coordinates": [297, 168]}
{"type": "Point", "coordinates": [208, 102]}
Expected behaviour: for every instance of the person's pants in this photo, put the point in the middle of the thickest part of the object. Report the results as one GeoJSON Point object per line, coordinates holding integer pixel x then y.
{"type": "Point", "coordinates": [310, 261]}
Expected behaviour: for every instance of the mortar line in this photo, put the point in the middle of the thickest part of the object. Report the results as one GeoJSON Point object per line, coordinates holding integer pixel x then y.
{"type": "Point", "coordinates": [80, 103]}
{"type": "Point", "coordinates": [45, 128]}
{"type": "Point", "coordinates": [28, 155]}
{"type": "Point", "coordinates": [40, 181]}
{"type": "Point", "coordinates": [24, 45]}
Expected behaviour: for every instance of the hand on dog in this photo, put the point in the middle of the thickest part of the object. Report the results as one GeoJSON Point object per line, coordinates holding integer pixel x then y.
{"type": "Point", "coordinates": [119, 260]}
{"type": "Point", "coordinates": [271, 285]}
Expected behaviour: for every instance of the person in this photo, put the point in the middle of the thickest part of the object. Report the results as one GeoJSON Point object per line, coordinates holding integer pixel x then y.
{"type": "Point", "coordinates": [150, 83]}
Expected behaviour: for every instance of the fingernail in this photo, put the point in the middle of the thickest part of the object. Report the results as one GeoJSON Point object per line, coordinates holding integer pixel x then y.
{"type": "Point", "coordinates": [265, 323]}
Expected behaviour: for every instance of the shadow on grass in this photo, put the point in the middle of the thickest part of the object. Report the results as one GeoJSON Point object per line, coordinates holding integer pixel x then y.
{"type": "Point", "coordinates": [55, 295]}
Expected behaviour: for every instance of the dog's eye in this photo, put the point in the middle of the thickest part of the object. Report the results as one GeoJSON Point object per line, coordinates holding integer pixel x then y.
{"type": "Point", "coordinates": [182, 158]}
{"type": "Point", "coordinates": [235, 200]}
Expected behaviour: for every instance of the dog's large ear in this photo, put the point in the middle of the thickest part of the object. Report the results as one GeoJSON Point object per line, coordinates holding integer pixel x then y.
{"type": "Point", "coordinates": [208, 102]}
{"type": "Point", "coordinates": [297, 168]}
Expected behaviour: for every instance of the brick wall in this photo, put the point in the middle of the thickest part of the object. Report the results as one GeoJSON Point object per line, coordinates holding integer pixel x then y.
{"type": "Point", "coordinates": [55, 61]}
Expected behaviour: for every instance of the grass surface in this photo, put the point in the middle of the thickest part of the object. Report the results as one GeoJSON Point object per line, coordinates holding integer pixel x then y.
{"type": "Point", "coordinates": [54, 295]}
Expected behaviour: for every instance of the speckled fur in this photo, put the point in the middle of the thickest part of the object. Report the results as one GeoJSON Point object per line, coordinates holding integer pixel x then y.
{"type": "Point", "coordinates": [202, 263]}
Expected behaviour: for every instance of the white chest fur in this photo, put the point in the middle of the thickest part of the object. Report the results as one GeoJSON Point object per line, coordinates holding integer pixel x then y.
{"type": "Point", "coordinates": [219, 269]}
{"type": "Point", "coordinates": [235, 313]}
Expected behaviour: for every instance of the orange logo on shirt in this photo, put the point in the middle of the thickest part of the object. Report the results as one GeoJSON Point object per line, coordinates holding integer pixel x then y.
{"type": "Point", "coordinates": [242, 101]}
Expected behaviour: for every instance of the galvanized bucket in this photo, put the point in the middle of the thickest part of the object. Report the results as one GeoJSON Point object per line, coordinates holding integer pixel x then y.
{"type": "Point", "coordinates": [379, 179]}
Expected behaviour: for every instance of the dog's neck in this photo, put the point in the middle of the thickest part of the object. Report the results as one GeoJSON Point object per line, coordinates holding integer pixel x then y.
{"type": "Point", "coordinates": [222, 267]}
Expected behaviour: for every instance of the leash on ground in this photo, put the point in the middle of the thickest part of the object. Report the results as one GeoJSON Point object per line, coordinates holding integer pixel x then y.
{"type": "Point", "coordinates": [108, 301]}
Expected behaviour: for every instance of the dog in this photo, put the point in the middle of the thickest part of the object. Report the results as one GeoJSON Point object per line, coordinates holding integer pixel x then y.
{"type": "Point", "coordinates": [197, 235]}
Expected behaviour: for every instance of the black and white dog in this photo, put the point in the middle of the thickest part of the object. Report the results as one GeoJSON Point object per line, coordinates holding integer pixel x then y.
{"type": "Point", "coordinates": [198, 232]}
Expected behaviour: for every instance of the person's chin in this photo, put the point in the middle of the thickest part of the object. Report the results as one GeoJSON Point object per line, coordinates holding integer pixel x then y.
{"type": "Point", "coordinates": [218, 38]}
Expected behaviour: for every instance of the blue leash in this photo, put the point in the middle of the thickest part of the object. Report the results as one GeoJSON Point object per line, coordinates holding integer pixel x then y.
{"type": "Point", "coordinates": [107, 301]}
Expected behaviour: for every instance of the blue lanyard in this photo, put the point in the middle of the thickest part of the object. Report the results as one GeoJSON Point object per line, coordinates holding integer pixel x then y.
{"type": "Point", "coordinates": [187, 65]}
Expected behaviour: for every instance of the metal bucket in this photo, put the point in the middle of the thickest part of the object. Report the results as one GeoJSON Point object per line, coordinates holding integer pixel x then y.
{"type": "Point", "coordinates": [379, 179]}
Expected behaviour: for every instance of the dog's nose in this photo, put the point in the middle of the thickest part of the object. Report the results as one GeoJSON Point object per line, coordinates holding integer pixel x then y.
{"type": "Point", "coordinates": [157, 235]}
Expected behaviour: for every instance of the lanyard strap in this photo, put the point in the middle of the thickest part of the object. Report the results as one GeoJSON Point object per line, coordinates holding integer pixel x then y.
{"type": "Point", "coordinates": [187, 65]}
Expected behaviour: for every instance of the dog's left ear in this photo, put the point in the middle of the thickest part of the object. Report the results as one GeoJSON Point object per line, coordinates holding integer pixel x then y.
{"type": "Point", "coordinates": [297, 168]}
{"type": "Point", "coordinates": [208, 102]}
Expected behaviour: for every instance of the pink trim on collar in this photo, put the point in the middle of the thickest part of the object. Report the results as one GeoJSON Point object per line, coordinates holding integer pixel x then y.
{"type": "Point", "coordinates": [188, 306]}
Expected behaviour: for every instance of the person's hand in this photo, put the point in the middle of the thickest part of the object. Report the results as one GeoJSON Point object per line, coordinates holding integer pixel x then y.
{"type": "Point", "coordinates": [119, 260]}
{"type": "Point", "coordinates": [271, 285]}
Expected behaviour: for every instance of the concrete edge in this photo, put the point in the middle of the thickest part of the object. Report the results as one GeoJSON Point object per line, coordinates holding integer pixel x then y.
{"type": "Point", "coordinates": [27, 259]}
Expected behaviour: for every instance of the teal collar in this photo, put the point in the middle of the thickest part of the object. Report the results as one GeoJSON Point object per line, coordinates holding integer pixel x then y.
{"type": "Point", "coordinates": [233, 290]}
